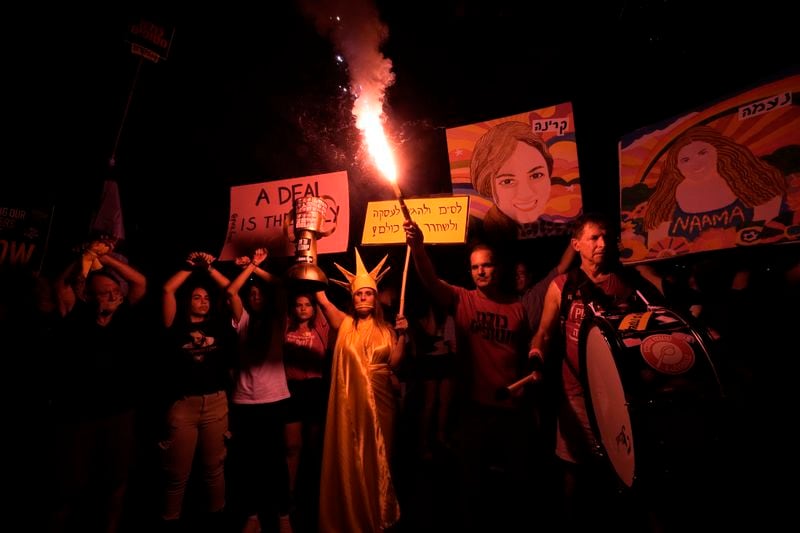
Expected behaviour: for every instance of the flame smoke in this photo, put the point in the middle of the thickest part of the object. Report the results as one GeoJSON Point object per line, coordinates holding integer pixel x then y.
{"type": "Point", "coordinates": [357, 32]}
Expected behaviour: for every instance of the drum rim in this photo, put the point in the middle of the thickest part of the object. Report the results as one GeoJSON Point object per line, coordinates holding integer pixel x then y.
{"type": "Point", "coordinates": [605, 328]}
{"type": "Point", "coordinates": [615, 344]}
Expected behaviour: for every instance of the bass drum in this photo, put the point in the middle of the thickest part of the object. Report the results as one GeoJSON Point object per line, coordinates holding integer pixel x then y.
{"type": "Point", "coordinates": [651, 388]}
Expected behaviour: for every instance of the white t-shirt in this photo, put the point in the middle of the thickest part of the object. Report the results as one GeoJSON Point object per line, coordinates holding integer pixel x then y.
{"type": "Point", "coordinates": [260, 377]}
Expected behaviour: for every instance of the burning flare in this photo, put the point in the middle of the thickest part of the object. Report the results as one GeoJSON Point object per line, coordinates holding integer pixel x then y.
{"type": "Point", "coordinates": [356, 30]}
{"type": "Point", "coordinates": [369, 119]}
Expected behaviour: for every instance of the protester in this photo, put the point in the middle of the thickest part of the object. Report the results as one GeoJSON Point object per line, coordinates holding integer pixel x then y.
{"type": "Point", "coordinates": [357, 492]}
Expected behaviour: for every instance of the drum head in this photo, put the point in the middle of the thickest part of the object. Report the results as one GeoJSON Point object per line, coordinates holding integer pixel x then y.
{"type": "Point", "coordinates": [607, 402]}
{"type": "Point", "coordinates": [648, 375]}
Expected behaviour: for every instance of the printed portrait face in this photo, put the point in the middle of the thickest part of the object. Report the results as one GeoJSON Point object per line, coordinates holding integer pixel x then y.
{"type": "Point", "coordinates": [697, 160]}
{"type": "Point", "coordinates": [521, 187]}
{"type": "Point", "coordinates": [198, 339]}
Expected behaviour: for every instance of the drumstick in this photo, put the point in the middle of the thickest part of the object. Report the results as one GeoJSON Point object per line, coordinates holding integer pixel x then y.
{"type": "Point", "coordinates": [506, 392]}
{"type": "Point", "coordinates": [641, 297]}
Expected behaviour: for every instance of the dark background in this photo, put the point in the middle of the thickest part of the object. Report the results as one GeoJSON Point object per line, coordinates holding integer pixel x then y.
{"type": "Point", "coordinates": [253, 93]}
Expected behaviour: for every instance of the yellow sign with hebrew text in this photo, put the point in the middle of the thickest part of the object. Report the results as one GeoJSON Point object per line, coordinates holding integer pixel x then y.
{"type": "Point", "coordinates": [442, 220]}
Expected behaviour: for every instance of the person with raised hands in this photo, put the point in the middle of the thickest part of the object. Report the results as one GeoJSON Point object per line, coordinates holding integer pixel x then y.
{"type": "Point", "coordinates": [494, 430]}
{"type": "Point", "coordinates": [200, 351]}
{"type": "Point", "coordinates": [95, 378]}
{"type": "Point", "coordinates": [260, 397]}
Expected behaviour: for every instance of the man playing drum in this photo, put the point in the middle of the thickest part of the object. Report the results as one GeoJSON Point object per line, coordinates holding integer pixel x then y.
{"type": "Point", "coordinates": [589, 484]}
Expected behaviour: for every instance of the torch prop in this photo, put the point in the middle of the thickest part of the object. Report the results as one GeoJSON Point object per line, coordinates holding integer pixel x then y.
{"type": "Point", "coordinates": [407, 216]}
{"type": "Point", "coordinates": [369, 121]}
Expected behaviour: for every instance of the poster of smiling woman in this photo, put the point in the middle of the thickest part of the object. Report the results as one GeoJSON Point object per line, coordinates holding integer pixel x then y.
{"type": "Point", "coordinates": [719, 177]}
{"type": "Point", "coordinates": [521, 173]}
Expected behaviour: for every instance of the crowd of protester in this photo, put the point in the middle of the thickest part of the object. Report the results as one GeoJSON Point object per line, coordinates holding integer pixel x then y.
{"type": "Point", "coordinates": [227, 398]}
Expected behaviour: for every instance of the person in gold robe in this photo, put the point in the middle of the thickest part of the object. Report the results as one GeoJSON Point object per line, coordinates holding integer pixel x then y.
{"type": "Point", "coordinates": [357, 493]}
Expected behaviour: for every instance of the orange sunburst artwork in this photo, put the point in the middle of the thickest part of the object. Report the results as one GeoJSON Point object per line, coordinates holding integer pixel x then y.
{"type": "Point", "coordinates": [714, 170]}
{"type": "Point", "coordinates": [481, 154]}
{"type": "Point", "coordinates": [669, 247]}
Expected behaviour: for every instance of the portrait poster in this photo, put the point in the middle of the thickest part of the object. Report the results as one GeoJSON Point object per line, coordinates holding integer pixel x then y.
{"type": "Point", "coordinates": [722, 176]}
{"type": "Point", "coordinates": [262, 215]}
{"type": "Point", "coordinates": [520, 172]}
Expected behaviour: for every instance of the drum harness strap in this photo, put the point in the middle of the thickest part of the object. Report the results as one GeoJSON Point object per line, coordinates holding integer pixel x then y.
{"type": "Point", "coordinates": [578, 286]}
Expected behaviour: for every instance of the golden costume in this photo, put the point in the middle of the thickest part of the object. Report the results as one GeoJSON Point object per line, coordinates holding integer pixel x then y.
{"type": "Point", "coordinates": [357, 494]}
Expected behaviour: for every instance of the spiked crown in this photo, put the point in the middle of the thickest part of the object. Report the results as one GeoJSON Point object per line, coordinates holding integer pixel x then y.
{"type": "Point", "coordinates": [361, 279]}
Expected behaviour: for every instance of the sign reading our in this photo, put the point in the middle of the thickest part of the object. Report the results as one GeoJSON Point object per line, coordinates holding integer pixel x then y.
{"type": "Point", "coordinates": [23, 236]}
{"type": "Point", "coordinates": [442, 220]}
{"type": "Point", "coordinates": [261, 215]}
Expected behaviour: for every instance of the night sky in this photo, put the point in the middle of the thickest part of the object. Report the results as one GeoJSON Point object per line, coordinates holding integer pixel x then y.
{"type": "Point", "coordinates": [252, 94]}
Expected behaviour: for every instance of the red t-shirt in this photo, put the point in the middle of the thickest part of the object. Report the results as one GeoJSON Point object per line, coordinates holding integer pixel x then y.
{"type": "Point", "coordinates": [495, 336]}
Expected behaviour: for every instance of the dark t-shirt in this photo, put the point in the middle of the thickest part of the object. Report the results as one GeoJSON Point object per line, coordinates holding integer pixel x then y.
{"type": "Point", "coordinates": [199, 357]}
{"type": "Point", "coordinates": [96, 369]}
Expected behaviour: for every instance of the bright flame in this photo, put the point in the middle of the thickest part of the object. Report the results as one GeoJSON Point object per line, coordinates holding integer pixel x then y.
{"type": "Point", "coordinates": [357, 34]}
{"type": "Point", "coordinates": [369, 121]}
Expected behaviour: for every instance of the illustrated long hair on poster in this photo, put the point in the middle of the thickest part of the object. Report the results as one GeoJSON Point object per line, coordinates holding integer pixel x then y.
{"type": "Point", "coordinates": [718, 178]}
{"type": "Point", "coordinates": [521, 173]}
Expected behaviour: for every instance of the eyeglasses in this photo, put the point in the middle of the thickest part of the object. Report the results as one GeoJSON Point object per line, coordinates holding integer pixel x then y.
{"type": "Point", "coordinates": [113, 294]}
